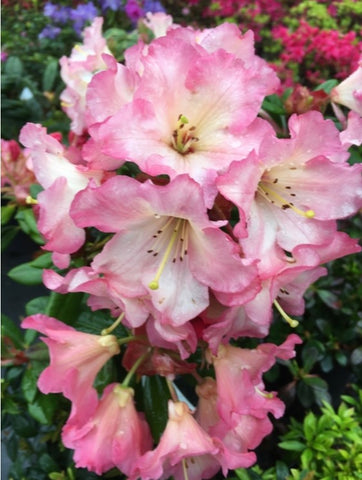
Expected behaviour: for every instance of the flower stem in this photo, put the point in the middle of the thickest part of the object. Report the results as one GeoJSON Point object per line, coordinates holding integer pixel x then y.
{"type": "Point", "coordinates": [107, 331]}
{"type": "Point", "coordinates": [134, 368]}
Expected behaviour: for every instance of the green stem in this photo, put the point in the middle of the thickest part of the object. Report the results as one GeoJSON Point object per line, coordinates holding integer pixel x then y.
{"type": "Point", "coordinates": [134, 368]}
{"type": "Point", "coordinates": [107, 331]}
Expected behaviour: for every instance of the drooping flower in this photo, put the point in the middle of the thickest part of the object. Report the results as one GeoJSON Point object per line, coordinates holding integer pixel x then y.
{"type": "Point", "coordinates": [181, 442]}
{"type": "Point", "coordinates": [165, 249]}
{"type": "Point", "coordinates": [75, 360]}
{"type": "Point", "coordinates": [61, 180]}
{"type": "Point", "coordinates": [116, 435]}
{"type": "Point", "coordinates": [239, 380]}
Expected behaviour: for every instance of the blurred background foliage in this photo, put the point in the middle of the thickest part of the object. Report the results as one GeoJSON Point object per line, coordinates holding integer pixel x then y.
{"type": "Point", "coordinates": [320, 435]}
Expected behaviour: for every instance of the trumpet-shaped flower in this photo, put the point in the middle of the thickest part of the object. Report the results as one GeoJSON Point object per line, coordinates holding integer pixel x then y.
{"type": "Point", "coordinates": [287, 193]}
{"type": "Point", "coordinates": [116, 435]}
{"type": "Point", "coordinates": [186, 115]}
{"type": "Point", "coordinates": [182, 440]}
{"type": "Point", "coordinates": [165, 248]}
{"type": "Point", "coordinates": [75, 360]}
{"type": "Point", "coordinates": [239, 379]}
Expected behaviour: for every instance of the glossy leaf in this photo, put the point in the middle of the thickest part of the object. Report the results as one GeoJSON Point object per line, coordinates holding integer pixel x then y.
{"type": "Point", "coordinates": [155, 401]}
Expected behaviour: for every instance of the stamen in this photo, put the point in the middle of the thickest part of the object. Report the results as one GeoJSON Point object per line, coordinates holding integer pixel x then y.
{"type": "Point", "coordinates": [183, 138]}
{"type": "Point", "coordinates": [31, 201]}
{"type": "Point", "coordinates": [184, 469]}
{"type": "Point", "coordinates": [264, 394]}
{"type": "Point", "coordinates": [153, 285]}
{"type": "Point", "coordinates": [269, 193]}
{"type": "Point", "coordinates": [292, 322]}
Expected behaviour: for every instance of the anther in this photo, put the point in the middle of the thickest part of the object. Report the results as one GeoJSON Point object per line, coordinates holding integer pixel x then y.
{"type": "Point", "coordinates": [292, 322]}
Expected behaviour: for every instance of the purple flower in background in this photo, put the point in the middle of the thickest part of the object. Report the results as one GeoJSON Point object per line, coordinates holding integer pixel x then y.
{"type": "Point", "coordinates": [110, 4]}
{"type": "Point", "coordinates": [50, 9]}
{"type": "Point", "coordinates": [82, 14]}
{"type": "Point", "coordinates": [133, 10]}
{"type": "Point", "coordinates": [153, 6]}
{"type": "Point", "coordinates": [50, 31]}
{"type": "Point", "coordinates": [57, 13]}
{"type": "Point", "coordinates": [4, 55]}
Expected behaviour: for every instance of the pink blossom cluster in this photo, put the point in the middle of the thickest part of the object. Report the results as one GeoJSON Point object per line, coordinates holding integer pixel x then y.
{"type": "Point", "coordinates": [224, 222]}
{"type": "Point", "coordinates": [339, 53]}
{"type": "Point", "coordinates": [16, 172]}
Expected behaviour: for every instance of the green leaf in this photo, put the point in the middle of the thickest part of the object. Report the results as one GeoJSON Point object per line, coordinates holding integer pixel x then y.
{"type": "Point", "coordinates": [65, 308]}
{"type": "Point", "coordinates": [329, 298]}
{"type": "Point", "coordinates": [49, 75]}
{"type": "Point", "coordinates": [274, 104]}
{"type": "Point", "coordinates": [43, 408]}
{"type": "Point", "coordinates": [37, 305]}
{"type": "Point", "coordinates": [47, 463]}
{"type": "Point", "coordinates": [292, 445]}
{"type": "Point", "coordinates": [14, 66]}
{"type": "Point", "coordinates": [7, 211]}
{"type": "Point", "coordinates": [327, 86]}
{"type": "Point", "coordinates": [155, 401]}
{"type": "Point", "coordinates": [24, 426]}
{"type": "Point", "coordinates": [306, 457]}
{"type": "Point", "coordinates": [341, 358]}
{"type": "Point", "coordinates": [305, 394]}
{"type": "Point", "coordinates": [29, 384]}
{"type": "Point", "coordinates": [8, 234]}
{"type": "Point", "coordinates": [27, 222]}
{"type": "Point", "coordinates": [31, 273]}
{"type": "Point", "coordinates": [282, 470]}
{"type": "Point", "coordinates": [309, 426]}
{"type": "Point", "coordinates": [26, 274]}
{"type": "Point", "coordinates": [11, 330]}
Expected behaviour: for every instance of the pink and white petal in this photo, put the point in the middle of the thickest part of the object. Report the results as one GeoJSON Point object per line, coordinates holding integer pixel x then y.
{"type": "Point", "coordinates": [215, 261]}
{"type": "Point", "coordinates": [108, 91]}
{"type": "Point", "coordinates": [352, 135]}
{"type": "Point", "coordinates": [55, 223]}
{"type": "Point", "coordinates": [92, 206]}
{"type": "Point", "coordinates": [315, 184]}
{"type": "Point", "coordinates": [180, 296]}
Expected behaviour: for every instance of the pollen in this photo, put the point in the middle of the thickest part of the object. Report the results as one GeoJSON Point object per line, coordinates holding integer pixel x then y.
{"type": "Point", "coordinates": [183, 136]}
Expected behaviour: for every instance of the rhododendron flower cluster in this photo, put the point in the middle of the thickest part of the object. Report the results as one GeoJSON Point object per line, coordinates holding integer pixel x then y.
{"type": "Point", "coordinates": [340, 53]}
{"type": "Point", "coordinates": [193, 220]}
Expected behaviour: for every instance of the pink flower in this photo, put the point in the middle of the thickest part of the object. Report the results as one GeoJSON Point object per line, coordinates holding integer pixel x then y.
{"type": "Point", "coordinates": [165, 251]}
{"type": "Point", "coordinates": [16, 172]}
{"type": "Point", "coordinates": [186, 115]}
{"type": "Point", "coordinates": [75, 360]}
{"type": "Point", "coordinates": [159, 23]}
{"type": "Point", "coordinates": [61, 180]}
{"type": "Point", "coordinates": [116, 435]}
{"type": "Point", "coordinates": [181, 442]}
{"type": "Point", "coordinates": [349, 92]}
{"type": "Point", "coordinates": [234, 440]}
{"type": "Point", "coordinates": [352, 135]}
{"type": "Point", "coordinates": [77, 71]}
{"type": "Point", "coordinates": [286, 194]}
{"type": "Point", "coordinates": [239, 381]}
